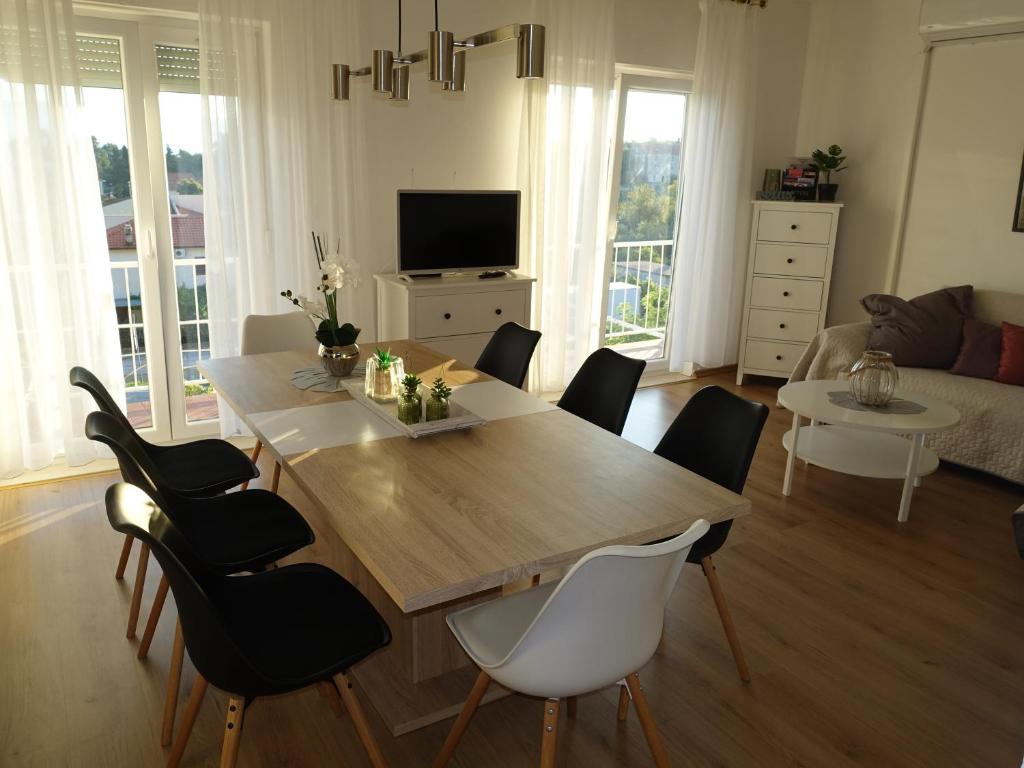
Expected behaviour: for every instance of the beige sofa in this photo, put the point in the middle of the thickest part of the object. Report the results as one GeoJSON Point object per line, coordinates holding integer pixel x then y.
{"type": "Point", "coordinates": [990, 436]}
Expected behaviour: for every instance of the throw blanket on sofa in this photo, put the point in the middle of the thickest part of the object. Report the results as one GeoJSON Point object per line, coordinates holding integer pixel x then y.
{"type": "Point", "coordinates": [990, 435]}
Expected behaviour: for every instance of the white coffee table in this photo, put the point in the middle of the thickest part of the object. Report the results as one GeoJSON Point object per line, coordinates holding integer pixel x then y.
{"type": "Point", "coordinates": [846, 437]}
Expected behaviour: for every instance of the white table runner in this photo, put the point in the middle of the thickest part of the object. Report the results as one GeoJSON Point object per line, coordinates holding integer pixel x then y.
{"type": "Point", "coordinates": [293, 431]}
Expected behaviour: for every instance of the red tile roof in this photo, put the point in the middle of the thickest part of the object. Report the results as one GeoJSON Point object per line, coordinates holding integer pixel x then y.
{"type": "Point", "coordinates": [186, 232]}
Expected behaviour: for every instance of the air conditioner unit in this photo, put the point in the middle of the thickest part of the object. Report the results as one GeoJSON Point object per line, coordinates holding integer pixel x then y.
{"type": "Point", "coordinates": [959, 19]}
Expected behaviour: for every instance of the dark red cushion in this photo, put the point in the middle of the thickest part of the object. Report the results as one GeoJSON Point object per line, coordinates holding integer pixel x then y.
{"type": "Point", "coordinates": [980, 351]}
{"type": "Point", "coordinates": [924, 332]}
{"type": "Point", "coordinates": [1011, 361]}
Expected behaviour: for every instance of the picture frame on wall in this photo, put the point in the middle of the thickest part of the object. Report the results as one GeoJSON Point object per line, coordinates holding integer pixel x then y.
{"type": "Point", "coordinates": [1018, 213]}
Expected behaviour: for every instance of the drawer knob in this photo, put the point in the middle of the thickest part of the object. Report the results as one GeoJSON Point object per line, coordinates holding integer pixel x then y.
{"type": "Point", "coordinates": [782, 325]}
{"type": "Point", "coordinates": [785, 293]}
{"type": "Point", "coordinates": [778, 357]}
{"type": "Point", "coordinates": [793, 226]}
{"type": "Point", "coordinates": [447, 315]}
{"type": "Point", "coordinates": [789, 261]}
{"type": "Point", "coordinates": [497, 311]}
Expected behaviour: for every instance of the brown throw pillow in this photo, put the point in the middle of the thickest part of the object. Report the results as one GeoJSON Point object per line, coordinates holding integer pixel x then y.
{"type": "Point", "coordinates": [921, 333]}
{"type": "Point", "coordinates": [980, 351]}
{"type": "Point", "coordinates": [1011, 361]}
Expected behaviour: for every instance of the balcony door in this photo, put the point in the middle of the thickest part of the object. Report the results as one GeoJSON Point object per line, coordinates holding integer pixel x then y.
{"type": "Point", "coordinates": [141, 94]}
{"type": "Point", "coordinates": [648, 154]}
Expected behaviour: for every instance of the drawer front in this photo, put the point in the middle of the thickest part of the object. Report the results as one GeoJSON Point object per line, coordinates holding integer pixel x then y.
{"type": "Point", "coordinates": [465, 349]}
{"type": "Point", "coordinates": [795, 226]}
{"type": "Point", "coordinates": [781, 325]}
{"type": "Point", "coordinates": [792, 260]}
{"type": "Point", "coordinates": [464, 313]}
{"type": "Point", "coordinates": [783, 293]}
{"type": "Point", "coordinates": [772, 355]}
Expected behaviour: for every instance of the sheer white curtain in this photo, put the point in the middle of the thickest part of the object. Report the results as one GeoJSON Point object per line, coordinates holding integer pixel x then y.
{"type": "Point", "coordinates": [280, 156]}
{"type": "Point", "coordinates": [56, 296]}
{"type": "Point", "coordinates": [564, 174]}
{"type": "Point", "coordinates": [714, 221]}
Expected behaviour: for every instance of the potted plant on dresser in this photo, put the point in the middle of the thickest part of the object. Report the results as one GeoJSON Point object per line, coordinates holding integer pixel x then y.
{"type": "Point", "coordinates": [828, 162]}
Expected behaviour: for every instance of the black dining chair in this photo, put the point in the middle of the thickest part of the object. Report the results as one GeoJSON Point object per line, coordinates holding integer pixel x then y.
{"type": "Point", "coordinates": [715, 436]}
{"type": "Point", "coordinates": [602, 389]}
{"type": "Point", "coordinates": [199, 468]}
{"type": "Point", "coordinates": [232, 533]}
{"type": "Point", "coordinates": [258, 635]}
{"type": "Point", "coordinates": [508, 353]}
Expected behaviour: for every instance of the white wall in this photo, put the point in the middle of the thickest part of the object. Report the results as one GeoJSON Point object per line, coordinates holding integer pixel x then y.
{"type": "Point", "coordinates": [968, 169]}
{"type": "Point", "coordinates": [471, 140]}
{"type": "Point", "coordinates": [861, 85]}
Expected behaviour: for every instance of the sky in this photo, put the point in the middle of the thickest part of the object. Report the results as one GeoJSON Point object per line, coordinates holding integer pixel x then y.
{"type": "Point", "coordinates": [654, 115]}
{"type": "Point", "coordinates": [179, 118]}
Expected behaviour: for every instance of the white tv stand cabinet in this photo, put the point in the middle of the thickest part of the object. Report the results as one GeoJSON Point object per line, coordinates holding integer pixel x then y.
{"type": "Point", "coordinates": [454, 315]}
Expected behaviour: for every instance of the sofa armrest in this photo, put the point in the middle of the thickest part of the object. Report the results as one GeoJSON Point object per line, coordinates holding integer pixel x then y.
{"type": "Point", "coordinates": [832, 351]}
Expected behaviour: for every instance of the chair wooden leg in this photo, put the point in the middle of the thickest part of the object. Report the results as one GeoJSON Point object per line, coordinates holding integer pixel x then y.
{"type": "Point", "coordinates": [462, 722]}
{"type": "Point", "coordinates": [623, 702]}
{"type": "Point", "coordinates": [277, 477]}
{"type": "Point", "coordinates": [570, 708]}
{"type": "Point", "coordinates": [188, 719]}
{"type": "Point", "coordinates": [140, 584]}
{"type": "Point", "coordinates": [232, 732]}
{"type": "Point", "coordinates": [549, 736]}
{"type": "Point", "coordinates": [255, 455]}
{"type": "Point", "coordinates": [647, 722]}
{"type": "Point", "coordinates": [359, 720]}
{"type": "Point", "coordinates": [122, 562]}
{"type": "Point", "coordinates": [173, 686]}
{"type": "Point", "coordinates": [154, 617]}
{"type": "Point", "coordinates": [726, 617]}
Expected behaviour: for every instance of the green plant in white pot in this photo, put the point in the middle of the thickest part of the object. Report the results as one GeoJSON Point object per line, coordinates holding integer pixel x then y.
{"type": "Point", "coordinates": [828, 162]}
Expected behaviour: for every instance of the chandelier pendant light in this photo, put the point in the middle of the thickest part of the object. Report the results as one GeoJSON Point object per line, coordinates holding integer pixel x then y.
{"type": "Point", "coordinates": [445, 57]}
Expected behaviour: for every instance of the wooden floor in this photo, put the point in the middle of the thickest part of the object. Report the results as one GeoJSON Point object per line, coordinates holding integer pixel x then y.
{"type": "Point", "coordinates": [870, 643]}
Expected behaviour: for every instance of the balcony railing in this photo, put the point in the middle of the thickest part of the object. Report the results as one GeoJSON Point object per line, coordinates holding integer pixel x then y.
{"type": "Point", "coordinates": [638, 296]}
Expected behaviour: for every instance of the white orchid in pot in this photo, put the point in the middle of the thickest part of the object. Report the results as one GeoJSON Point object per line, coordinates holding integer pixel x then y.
{"type": "Point", "coordinates": [338, 349]}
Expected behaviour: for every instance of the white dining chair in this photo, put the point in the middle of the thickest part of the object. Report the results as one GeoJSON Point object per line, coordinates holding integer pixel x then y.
{"type": "Point", "coordinates": [262, 334]}
{"type": "Point", "coordinates": [597, 626]}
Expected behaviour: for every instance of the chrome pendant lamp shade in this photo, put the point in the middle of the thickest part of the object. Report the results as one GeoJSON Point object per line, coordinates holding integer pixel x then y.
{"type": "Point", "coordinates": [400, 84]}
{"type": "Point", "coordinates": [389, 71]}
{"type": "Point", "coordinates": [458, 83]}
{"type": "Point", "coordinates": [441, 56]}
{"type": "Point", "coordinates": [382, 68]}
{"type": "Point", "coordinates": [530, 51]}
{"type": "Point", "coordinates": [342, 75]}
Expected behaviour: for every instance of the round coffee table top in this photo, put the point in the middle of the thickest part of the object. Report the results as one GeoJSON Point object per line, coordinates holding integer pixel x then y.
{"type": "Point", "coordinates": [830, 401]}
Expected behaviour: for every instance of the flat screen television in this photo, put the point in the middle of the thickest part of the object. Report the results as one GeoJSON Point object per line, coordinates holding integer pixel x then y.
{"type": "Point", "coordinates": [457, 231]}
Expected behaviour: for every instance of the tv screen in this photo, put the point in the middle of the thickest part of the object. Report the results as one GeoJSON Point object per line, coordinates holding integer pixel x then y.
{"type": "Point", "coordinates": [457, 231]}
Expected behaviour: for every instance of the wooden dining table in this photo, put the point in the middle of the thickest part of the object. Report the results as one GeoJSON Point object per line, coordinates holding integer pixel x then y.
{"type": "Point", "coordinates": [430, 525]}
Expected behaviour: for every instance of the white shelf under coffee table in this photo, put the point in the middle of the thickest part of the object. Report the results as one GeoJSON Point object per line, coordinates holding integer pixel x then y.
{"type": "Point", "coordinates": [867, 442]}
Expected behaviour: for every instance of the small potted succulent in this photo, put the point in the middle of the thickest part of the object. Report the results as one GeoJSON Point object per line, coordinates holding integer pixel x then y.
{"type": "Point", "coordinates": [410, 403]}
{"type": "Point", "coordinates": [384, 373]}
{"type": "Point", "coordinates": [828, 162]}
{"type": "Point", "coordinates": [437, 405]}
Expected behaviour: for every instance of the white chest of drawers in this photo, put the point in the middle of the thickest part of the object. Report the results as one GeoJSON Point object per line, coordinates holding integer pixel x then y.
{"type": "Point", "coordinates": [789, 270]}
{"type": "Point", "coordinates": [454, 315]}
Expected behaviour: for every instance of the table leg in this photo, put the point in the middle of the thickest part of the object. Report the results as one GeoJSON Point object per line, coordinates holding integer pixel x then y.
{"type": "Point", "coordinates": [916, 443]}
{"type": "Point", "coordinates": [814, 423]}
{"type": "Point", "coordinates": [791, 459]}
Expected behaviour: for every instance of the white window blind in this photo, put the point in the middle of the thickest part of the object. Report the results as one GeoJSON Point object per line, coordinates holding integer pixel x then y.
{"type": "Point", "coordinates": [177, 68]}
{"type": "Point", "coordinates": [99, 61]}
